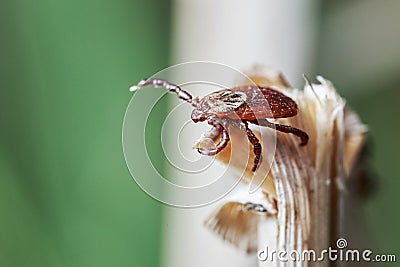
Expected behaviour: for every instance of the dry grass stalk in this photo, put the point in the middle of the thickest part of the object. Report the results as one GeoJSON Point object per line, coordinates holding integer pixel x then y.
{"type": "Point", "coordinates": [304, 184]}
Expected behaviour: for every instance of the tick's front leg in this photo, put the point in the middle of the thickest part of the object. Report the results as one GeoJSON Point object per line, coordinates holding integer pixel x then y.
{"type": "Point", "coordinates": [219, 131]}
{"type": "Point", "coordinates": [182, 94]}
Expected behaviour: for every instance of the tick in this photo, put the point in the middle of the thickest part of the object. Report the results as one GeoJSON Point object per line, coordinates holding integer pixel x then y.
{"type": "Point", "coordinates": [242, 105]}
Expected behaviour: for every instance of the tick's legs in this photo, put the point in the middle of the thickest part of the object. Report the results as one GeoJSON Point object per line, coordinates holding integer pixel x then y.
{"type": "Point", "coordinates": [182, 94]}
{"type": "Point", "coordinates": [256, 145]}
{"type": "Point", "coordinates": [220, 131]}
{"type": "Point", "coordinates": [215, 132]}
{"type": "Point", "coordinates": [284, 128]}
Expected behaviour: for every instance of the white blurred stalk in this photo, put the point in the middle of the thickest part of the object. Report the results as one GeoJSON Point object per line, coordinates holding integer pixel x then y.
{"type": "Point", "coordinates": [277, 34]}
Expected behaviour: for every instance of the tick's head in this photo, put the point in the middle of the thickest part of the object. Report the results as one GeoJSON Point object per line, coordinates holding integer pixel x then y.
{"type": "Point", "coordinates": [218, 103]}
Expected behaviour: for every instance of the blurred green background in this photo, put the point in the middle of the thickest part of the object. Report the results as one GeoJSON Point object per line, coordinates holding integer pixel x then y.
{"type": "Point", "coordinates": [66, 197]}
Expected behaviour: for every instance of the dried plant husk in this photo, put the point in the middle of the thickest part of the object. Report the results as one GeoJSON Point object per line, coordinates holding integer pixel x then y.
{"type": "Point", "coordinates": [304, 183]}
{"type": "Point", "coordinates": [236, 223]}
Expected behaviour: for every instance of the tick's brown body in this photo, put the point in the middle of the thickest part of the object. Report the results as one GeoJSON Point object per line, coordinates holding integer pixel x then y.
{"type": "Point", "coordinates": [252, 103]}
{"type": "Point", "coordinates": [242, 104]}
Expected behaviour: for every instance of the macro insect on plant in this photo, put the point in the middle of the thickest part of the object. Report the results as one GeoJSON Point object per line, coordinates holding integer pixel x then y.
{"type": "Point", "coordinates": [243, 105]}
